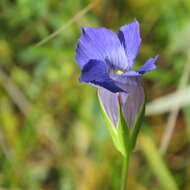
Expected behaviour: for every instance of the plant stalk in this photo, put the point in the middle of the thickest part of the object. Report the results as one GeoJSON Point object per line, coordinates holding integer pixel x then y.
{"type": "Point", "coordinates": [124, 178]}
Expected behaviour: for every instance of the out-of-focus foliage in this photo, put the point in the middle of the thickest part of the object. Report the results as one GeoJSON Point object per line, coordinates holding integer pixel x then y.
{"type": "Point", "coordinates": [52, 135]}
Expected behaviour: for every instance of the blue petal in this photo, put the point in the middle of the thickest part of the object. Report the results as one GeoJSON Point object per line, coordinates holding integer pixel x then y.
{"type": "Point", "coordinates": [133, 100]}
{"type": "Point", "coordinates": [131, 74]}
{"type": "Point", "coordinates": [129, 36]}
{"type": "Point", "coordinates": [100, 44]}
{"type": "Point", "coordinates": [96, 72]}
{"type": "Point", "coordinates": [148, 66]}
{"type": "Point", "coordinates": [110, 103]}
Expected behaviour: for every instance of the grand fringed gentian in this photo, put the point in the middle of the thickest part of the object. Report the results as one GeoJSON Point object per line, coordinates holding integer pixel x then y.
{"type": "Point", "coordinates": [106, 60]}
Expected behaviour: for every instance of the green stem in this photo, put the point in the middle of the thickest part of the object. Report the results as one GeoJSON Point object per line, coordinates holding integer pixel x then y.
{"type": "Point", "coordinates": [125, 172]}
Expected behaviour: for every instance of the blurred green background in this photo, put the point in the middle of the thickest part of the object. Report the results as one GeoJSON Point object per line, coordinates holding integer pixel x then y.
{"type": "Point", "coordinates": [52, 134]}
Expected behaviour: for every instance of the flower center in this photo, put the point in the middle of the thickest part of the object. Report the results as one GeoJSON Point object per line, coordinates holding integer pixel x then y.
{"type": "Point", "coordinates": [119, 72]}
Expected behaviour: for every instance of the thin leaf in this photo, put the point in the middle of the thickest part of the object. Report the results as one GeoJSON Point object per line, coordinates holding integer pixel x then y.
{"type": "Point", "coordinates": [156, 163]}
{"type": "Point", "coordinates": [168, 102]}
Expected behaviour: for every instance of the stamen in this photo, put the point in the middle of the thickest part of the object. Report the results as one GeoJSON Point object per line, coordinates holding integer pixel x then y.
{"type": "Point", "coordinates": [119, 72]}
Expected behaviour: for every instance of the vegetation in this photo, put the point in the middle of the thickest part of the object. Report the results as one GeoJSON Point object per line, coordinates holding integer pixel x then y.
{"type": "Point", "coordinates": [52, 134]}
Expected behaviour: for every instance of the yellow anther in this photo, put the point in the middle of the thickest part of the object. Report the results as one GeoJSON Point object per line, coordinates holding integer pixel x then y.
{"type": "Point", "coordinates": [119, 72]}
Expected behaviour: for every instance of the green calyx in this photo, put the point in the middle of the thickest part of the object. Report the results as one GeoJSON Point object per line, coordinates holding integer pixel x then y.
{"type": "Point", "coordinates": [124, 138]}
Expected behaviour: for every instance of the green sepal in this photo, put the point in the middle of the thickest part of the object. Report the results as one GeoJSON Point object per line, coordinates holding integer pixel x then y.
{"type": "Point", "coordinates": [124, 138]}
{"type": "Point", "coordinates": [137, 126]}
{"type": "Point", "coordinates": [123, 133]}
{"type": "Point", "coordinates": [119, 133]}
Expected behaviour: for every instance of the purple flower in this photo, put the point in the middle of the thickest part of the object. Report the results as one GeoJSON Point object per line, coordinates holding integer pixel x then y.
{"type": "Point", "coordinates": [106, 60]}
